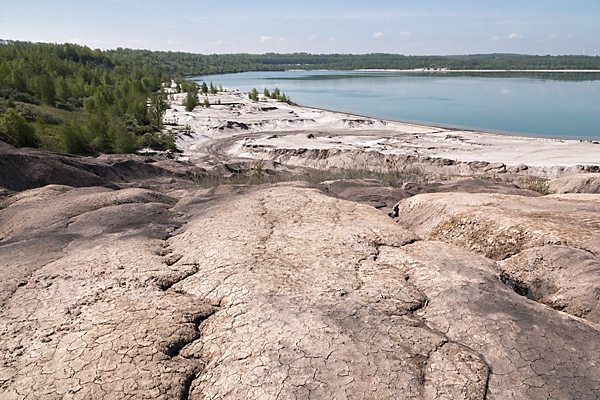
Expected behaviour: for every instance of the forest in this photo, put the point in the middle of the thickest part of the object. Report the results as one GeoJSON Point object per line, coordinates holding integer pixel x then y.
{"type": "Point", "coordinates": [70, 98]}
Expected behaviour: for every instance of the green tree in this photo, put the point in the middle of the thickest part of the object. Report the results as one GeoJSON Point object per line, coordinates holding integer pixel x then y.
{"type": "Point", "coordinates": [213, 89]}
{"type": "Point", "coordinates": [96, 129]}
{"type": "Point", "coordinates": [204, 88]}
{"type": "Point", "coordinates": [159, 105]}
{"type": "Point", "coordinates": [122, 140]}
{"type": "Point", "coordinates": [73, 138]}
{"type": "Point", "coordinates": [88, 104]}
{"type": "Point", "coordinates": [191, 101]}
{"type": "Point", "coordinates": [253, 95]}
{"type": "Point", "coordinates": [17, 129]}
{"type": "Point", "coordinates": [46, 88]}
{"type": "Point", "coordinates": [206, 103]}
{"type": "Point", "coordinates": [266, 93]}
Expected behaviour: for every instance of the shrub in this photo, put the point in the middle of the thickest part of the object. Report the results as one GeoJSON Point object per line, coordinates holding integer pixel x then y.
{"type": "Point", "coordinates": [191, 101]}
{"type": "Point", "coordinates": [17, 129]}
{"type": "Point", "coordinates": [259, 170]}
{"type": "Point", "coordinates": [122, 140]}
{"type": "Point", "coordinates": [73, 137]}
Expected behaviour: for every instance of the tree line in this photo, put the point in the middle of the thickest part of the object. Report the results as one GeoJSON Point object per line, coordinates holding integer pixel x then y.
{"type": "Point", "coordinates": [73, 99]}
{"type": "Point", "coordinates": [70, 98]}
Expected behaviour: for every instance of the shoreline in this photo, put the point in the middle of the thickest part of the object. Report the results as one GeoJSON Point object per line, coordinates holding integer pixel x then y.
{"type": "Point", "coordinates": [240, 130]}
{"type": "Point", "coordinates": [426, 124]}
{"type": "Point", "coordinates": [517, 123]}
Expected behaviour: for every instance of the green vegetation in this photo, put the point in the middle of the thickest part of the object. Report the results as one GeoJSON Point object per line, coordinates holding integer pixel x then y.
{"type": "Point", "coordinates": [191, 101]}
{"type": "Point", "coordinates": [259, 170]}
{"type": "Point", "coordinates": [259, 175]}
{"type": "Point", "coordinates": [253, 94]}
{"type": "Point", "coordinates": [277, 95]}
{"type": "Point", "coordinates": [537, 185]}
{"type": "Point", "coordinates": [70, 98]}
{"type": "Point", "coordinates": [18, 131]}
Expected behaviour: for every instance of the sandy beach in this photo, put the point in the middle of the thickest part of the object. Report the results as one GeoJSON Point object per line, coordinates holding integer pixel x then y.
{"type": "Point", "coordinates": [239, 129]}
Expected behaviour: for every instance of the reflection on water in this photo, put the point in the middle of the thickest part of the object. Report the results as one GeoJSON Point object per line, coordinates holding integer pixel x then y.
{"type": "Point", "coordinates": [556, 105]}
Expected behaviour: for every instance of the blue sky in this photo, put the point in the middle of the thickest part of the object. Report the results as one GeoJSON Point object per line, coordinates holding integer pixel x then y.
{"type": "Point", "coordinates": [424, 27]}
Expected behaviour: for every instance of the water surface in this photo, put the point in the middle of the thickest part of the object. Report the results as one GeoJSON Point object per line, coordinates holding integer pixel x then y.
{"type": "Point", "coordinates": [553, 105]}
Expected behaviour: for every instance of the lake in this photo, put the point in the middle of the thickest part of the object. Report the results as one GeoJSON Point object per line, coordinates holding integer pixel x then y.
{"type": "Point", "coordinates": [553, 105]}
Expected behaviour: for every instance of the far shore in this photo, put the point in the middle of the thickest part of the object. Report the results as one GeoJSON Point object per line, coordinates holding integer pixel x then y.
{"type": "Point", "coordinates": [421, 70]}
{"type": "Point", "coordinates": [480, 70]}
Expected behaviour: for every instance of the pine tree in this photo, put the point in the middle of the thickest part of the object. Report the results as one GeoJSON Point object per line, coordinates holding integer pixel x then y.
{"type": "Point", "coordinates": [253, 95]}
{"type": "Point", "coordinates": [191, 101]}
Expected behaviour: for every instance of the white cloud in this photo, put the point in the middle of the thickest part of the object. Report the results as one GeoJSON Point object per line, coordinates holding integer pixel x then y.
{"type": "Point", "coordinates": [171, 42]}
{"type": "Point", "coordinates": [514, 36]}
{"type": "Point", "coordinates": [496, 38]}
{"type": "Point", "coordinates": [405, 33]}
{"type": "Point", "coordinates": [312, 37]}
{"type": "Point", "coordinates": [74, 40]}
{"type": "Point", "coordinates": [378, 35]}
{"type": "Point", "coordinates": [553, 37]}
{"type": "Point", "coordinates": [269, 39]}
{"type": "Point", "coordinates": [331, 39]}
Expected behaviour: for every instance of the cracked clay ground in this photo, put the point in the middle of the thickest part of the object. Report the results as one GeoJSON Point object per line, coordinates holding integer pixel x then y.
{"type": "Point", "coordinates": [271, 292]}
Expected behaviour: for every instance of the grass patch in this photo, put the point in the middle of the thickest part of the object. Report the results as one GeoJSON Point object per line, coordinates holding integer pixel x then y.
{"type": "Point", "coordinates": [394, 177]}
{"type": "Point", "coordinates": [536, 184]}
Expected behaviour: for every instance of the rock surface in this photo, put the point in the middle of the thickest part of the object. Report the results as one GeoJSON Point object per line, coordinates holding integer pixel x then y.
{"type": "Point", "coordinates": [24, 168]}
{"type": "Point", "coordinates": [580, 183]}
{"type": "Point", "coordinates": [270, 292]}
{"type": "Point", "coordinates": [122, 278]}
{"type": "Point", "coordinates": [549, 246]}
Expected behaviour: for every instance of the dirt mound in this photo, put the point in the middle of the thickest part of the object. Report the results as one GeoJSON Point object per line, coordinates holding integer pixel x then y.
{"type": "Point", "coordinates": [469, 186]}
{"type": "Point", "coordinates": [501, 226]}
{"type": "Point", "coordinates": [581, 183]}
{"type": "Point", "coordinates": [561, 277]}
{"type": "Point", "coordinates": [383, 197]}
{"type": "Point", "coordinates": [366, 191]}
{"type": "Point", "coordinates": [24, 168]}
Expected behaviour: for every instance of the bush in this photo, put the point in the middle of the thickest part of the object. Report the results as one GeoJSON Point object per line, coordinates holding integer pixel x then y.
{"type": "Point", "coordinates": [157, 141]}
{"type": "Point", "coordinates": [16, 128]}
{"type": "Point", "coordinates": [122, 140]}
{"type": "Point", "coordinates": [13, 94]}
{"type": "Point", "coordinates": [33, 113]}
{"type": "Point", "coordinates": [191, 101]}
{"type": "Point", "coordinates": [73, 138]}
{"type": "Point", "coordinates": [253, 95]}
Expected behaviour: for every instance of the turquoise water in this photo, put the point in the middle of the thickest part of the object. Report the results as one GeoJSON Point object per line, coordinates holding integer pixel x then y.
{"type": "Point", "coordinates": [557, 105]}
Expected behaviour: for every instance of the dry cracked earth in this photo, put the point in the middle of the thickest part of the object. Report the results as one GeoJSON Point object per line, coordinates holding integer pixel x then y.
{"type": "Point", "coordinates": [295, 291]}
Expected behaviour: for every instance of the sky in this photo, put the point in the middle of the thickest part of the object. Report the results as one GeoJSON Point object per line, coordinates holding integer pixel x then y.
{"type": "Point", "coordinates": [426, 27]}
